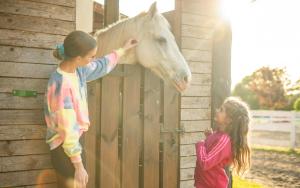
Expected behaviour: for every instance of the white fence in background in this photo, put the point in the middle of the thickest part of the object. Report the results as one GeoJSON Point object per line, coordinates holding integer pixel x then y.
{"type": "Point", "coordinates": [275, 128]}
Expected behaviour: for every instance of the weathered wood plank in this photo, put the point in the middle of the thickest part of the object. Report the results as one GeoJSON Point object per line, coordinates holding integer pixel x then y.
{"type": "Point", "coordinates": [24, 117]}
{"type": "Point", "coordinates": [27, 70]}
{"type": "Point", "coordinates": [188, 162]}
{"type": "Point", "coordinates": [94, 91]}
{"type": "Point", "coordinates": [196, 44]}
{"type": "Point", "coordinates": [187, 184]}
{"type": "Point", "coordinates": [132, 123]}
{"type": "Point", "coordinates": [187, 150]}
{"type": "Point", "coordinates": [197, 20]}
{"type": "Point", "coordinates": [200, 67]}
{"type": "Point", "coordinates": [171, 139]}
{"type": "Point", "coordinates": [23, 147]}
{"type": "Point", "coordinates": [69, 3]}
{"type": "Point", "coordinates": [197, 91]}
{"type": "Point", "coordinates": [110, 113]}
{"type": "Point", "coordinates": [191, 138]}
{"type": "Point", "coordinates": [197, 55]}
{"type": "Point", "coordinates": [8, 101]}
{"type": "Point", "coordinates": [201, 7]}
{"type": "Point", "coordinates": [29, 39]}
{"type": "Point", "coordinates": [195, 102]}
{"type": "Point", "coordinates": [8, 84]}
{"type": "Point", "coordinates": [21, 178]}
{"type": "Point", "coordinates": [201, 79]}
{"type": "Point", "coordinates": [21, 132]}
{"type": "Point", "coordinates": [38, 9]}
{"type": "Point", "coordinates": [197, 32]}
{"type": "Point", "coordinates": [26, 55]}
{"type": "Point", "coordinates": [151, 130]}
{"type": "Point", "coordinates": [35, 24]}
{"type": "Point", "coordinates": [187, 174]}
{"type": "Point", "coordinates": [28, 162]}
{"type": "Point", "coordinates": [195, 114]}
{"type": "Point", "coordinates": [195, 126]}
{"type": "Point", "coordinates": [48, 185]}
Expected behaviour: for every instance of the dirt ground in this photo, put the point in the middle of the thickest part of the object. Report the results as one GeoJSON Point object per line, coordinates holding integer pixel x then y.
{"type": "Point", "coordinates": [275, 169]}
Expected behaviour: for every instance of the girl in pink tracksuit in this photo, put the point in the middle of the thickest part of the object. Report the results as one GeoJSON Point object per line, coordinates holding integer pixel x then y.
{"type": "Point", "coordinates": [228, 145]}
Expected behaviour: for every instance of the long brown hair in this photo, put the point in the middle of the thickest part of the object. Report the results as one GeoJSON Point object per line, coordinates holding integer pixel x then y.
{"type": "Point", "coordinates": [238, 113]}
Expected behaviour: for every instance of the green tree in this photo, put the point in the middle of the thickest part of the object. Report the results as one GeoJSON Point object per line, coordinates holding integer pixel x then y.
{"type": "Point", "coordinates": [244, 92]}
{"type": "Point", "coordinates": [297, 105]}
{"type": "Point", "coordinates": [266, 88]}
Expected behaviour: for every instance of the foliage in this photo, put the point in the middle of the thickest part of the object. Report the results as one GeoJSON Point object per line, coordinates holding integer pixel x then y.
{"type": "Point", "coordinates": [297, 105]}
{"type": "Point", "coordinates": [266, 88]}
{"type": "Point", "coordinates": [244, 92]}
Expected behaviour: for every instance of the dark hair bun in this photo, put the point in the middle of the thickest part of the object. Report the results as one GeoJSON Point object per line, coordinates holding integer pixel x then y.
{"type": "Point", "coordinates": [56, 55]}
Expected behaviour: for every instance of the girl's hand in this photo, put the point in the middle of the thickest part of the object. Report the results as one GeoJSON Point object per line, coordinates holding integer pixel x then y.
{"type": "Point", "coordinates": [130, 43]}
{"type": "Point", "coordinates": [81, 176]}
{"type": "Point", "coordinates": [208, 132]}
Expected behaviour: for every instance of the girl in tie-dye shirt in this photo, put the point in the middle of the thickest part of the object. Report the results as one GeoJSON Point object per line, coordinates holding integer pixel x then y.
{"type": "Point", "coordinates": [66, 110]}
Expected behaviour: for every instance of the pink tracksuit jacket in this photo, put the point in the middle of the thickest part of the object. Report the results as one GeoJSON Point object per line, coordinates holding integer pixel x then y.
{"type": "Point", "coordinates": [213, 154]}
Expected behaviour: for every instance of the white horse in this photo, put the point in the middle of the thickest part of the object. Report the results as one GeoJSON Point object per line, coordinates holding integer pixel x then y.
{"type": "Point", "coordinates": [157, 49]}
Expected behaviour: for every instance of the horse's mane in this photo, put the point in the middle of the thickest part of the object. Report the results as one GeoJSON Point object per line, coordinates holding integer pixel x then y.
{"type": "Point", "coordinates": [112, 35]}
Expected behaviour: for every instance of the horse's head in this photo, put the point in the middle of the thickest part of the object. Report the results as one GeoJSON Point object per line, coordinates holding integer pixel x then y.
{"type": "Point", "coordinates": [158, 51]}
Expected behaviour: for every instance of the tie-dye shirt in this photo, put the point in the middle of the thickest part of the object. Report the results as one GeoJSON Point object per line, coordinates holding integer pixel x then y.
{"type": "Point", "coordinates": [66, 110]}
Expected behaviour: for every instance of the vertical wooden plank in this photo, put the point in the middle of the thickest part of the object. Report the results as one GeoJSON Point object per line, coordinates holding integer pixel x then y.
{"type": "Point", "coordinates": [151, 130]}
{"type": "Point", "coordinates": [110, 114]}
{"type": "Point", "coordinates": [221, 66]}
{"type": "Point", "coordinates": [171, 112]}
{"type": "Point", "coordinates": [177, 22]}
{"type": "Point", "coordinates": [94, 91]}
{"type": "Point", "coordinates": [111, 11]}
{"type": "Point", "coordinates": [170, 138]}
{"type": "Point", "coordinates": [110, 106]}
{"type": "Point", "coordinates": [131, 127]}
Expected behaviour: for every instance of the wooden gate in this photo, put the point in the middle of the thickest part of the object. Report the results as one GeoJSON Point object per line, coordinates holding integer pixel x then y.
{"type": "Point", "coordinates": [133, 140]}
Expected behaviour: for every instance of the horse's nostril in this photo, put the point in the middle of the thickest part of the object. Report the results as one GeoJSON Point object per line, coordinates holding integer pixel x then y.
{"type": "Point", "coordinates": [186, 79]}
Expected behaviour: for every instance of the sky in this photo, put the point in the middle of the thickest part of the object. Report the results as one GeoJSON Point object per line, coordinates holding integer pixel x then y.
{"type": "Point", "coordinates": [265, 33]}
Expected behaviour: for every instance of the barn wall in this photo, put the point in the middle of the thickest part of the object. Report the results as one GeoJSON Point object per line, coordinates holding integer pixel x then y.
{"type": "Point", "coordinates": [29, 31]}
{"type": "Point", "coordinates": [198, 19]}
{"type": "Point", "coordinates": [84, 15]}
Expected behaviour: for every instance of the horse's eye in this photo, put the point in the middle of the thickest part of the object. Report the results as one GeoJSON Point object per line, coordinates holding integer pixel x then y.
{"type": "Point", "coordinates": [162, 40]}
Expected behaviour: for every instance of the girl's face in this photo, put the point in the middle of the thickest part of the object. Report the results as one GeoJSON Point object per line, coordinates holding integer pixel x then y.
{"type": "Point", "coordinates": [82, 61]}
{"type": "Point", "coordinates": [221, 118]}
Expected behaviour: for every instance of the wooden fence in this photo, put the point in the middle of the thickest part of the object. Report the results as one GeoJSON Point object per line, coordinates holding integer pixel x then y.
{"type": "Point", "coordinates": [275, 128]}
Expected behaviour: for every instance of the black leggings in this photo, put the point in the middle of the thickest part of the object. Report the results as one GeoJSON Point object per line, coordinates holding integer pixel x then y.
{"type": "Point", "coordinates": [63, 166]}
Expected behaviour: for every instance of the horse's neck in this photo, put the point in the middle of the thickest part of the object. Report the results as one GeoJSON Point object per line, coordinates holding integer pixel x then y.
{"type": "Point", "coordinates": [115, 37]}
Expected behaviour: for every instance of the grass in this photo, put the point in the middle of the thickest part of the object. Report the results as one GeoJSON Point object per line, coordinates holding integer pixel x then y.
{"type": "Point", "coordinates": [239, 182]}
{"type": "Point", "coordinates": [284, 150]}
{"type": "Point", "coordinates": [242, 183]}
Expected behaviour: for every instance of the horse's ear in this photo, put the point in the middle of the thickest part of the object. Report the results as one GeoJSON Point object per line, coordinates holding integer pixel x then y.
{"type": "Point", "coordinates": [152, 10]}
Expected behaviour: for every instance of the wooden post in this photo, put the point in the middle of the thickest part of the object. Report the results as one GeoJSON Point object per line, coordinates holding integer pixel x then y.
{"type": "Point", "coordinates": [109, 131]}
{"type": "Point", "coordinates": [221, 66]}
{"type": "Point", "coordinates": [111, 11]}
{"type": "Point", "coordinates": [293, 132]}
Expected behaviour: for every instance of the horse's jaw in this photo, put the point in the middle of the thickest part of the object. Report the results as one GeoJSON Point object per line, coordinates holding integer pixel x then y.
{"type": "Point", "coordinates": [171, 78]}
{"type": "Point", "coordinates": [129, 58]}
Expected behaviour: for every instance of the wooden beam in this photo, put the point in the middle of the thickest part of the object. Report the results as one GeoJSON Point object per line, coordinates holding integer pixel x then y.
{"type": "Point", "coordinates": [37, 9]}
{"type": "Point", "coordinates": [23, 117]}
{"type": "Point", "coordinates": [27, 162]}
{"type": "Point", "coordinates": [111, 11]}
{"type": "Point", "coordinates": [22, 178]}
